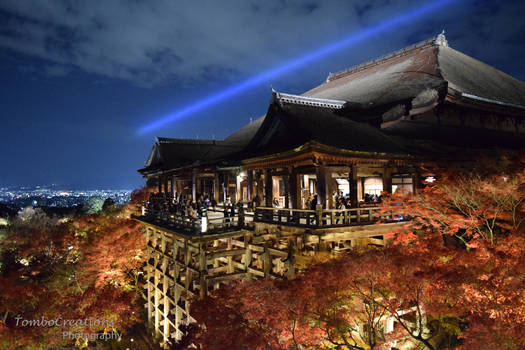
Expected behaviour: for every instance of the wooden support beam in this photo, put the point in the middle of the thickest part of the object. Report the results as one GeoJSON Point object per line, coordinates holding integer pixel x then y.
{"type": "Point", "coordinates": [149, 233]}
{"type": "Point", "coordinates": [203, 273]}
{"type": "Point", "coordinates": [352, 181]}
{"type": "Point", "coordinates": [249, 191]}
{"type": "Point", "coordinates": [194, 184]}
{"type": "Point", "coordinates": [295, 189]}
{"type": "Point", "coordinates": [225, 253]}
{"type": "Point", "coordinates": [199, 187]}
{"type": "Point", "coordinates": [166, 306]}
{"type": "Point", "coordinates": [225, 186]}
{"type": "Point", "coordinates": [387, 179]}
{"type": "Point", "coordinates": [268, 187]}
{"type": "Point", "coordinates": [216, 187]}
{"type": "Point", "coordinates": [287, 189]}
{"type": "Point", "coordinates": [266, 261]}
{"type": "Point", "coordinates": [321, 175]}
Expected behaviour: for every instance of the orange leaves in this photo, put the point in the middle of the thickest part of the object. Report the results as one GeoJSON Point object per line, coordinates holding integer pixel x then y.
{"type": "Point", "coordinates": [86, 268]}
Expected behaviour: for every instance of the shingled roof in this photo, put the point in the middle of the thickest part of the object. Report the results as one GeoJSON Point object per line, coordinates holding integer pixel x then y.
{"type": "Point", "coordinates": [406, 73]}
{"type": "Point", "coordinates": [172, 153]}
{"type": "Point", "coordinates": [292, 121]}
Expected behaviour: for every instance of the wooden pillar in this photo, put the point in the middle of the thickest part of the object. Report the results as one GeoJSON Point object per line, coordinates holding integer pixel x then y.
{"type": "Point", "coordinates": [165, 288]}
{"type": "Point", "coordinates": [149, 275]}
{"type": "Point", "coordinates": [320, 173]}
{"type": "Point", "coordinates": [286, 183]}
{"type": "Point", "coordinates": [156, 295]}
{"type": "Point", "coordinates": [177, 290]}
{"type": "Point", "coordinates": [198, 189]}
{"type": "Point", "coordinates": [194, 184]}
{"type": "Point", "coordinates": [248, 256]}
{"type": "Point", "coordinates": [225, 188]}
{"type": "Point", "coordinates": [175, 188]}
{"type": "Point", "coordinates": [250, 185]}
{"type": "Point", "coordinates": [387, 180]}
{"type": "Point", "coordinates": [295, 189]}
{"type": "Point", "coordinates": [260, 186]}
{"type": "Point", "coordinates": [331, 187]}
{"type": "Point", "coordinates": [268, 187]}
{"type": "Point", "coordinates": [216, 187]}
{"type": "Point", "coordinates": [159, 184]}
{"type": "Point", "coordinates": [203, 271]}
{"type": "Point", "coordinates": [166, 185]}
{"type": "Point", "coordinates": [238, 195]}
{"type": "Point", "coordinates": [352, 181]}
{"type": "Point", "coordinates": [187, 280]}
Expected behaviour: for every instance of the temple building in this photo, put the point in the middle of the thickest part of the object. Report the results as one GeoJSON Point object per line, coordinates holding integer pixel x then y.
{"type": "Point", "coordinates": [365, 130]}
{"type": "Point", "coordinates": [374, 128]}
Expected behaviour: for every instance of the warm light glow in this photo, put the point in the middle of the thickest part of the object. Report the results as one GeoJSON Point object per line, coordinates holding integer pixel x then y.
{"type": "Point", "coordinates": [348, 41]}
{"type": "Point", "coordinates": [204, 224]}
{"type": "Point", "coordinates": [430, 179]}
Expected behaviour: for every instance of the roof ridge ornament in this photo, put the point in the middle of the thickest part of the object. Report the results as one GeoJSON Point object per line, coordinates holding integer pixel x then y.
{"type": "Point", "coordinates": [283, 98]}
{"type": "Point", "coordinates": [441, 39]}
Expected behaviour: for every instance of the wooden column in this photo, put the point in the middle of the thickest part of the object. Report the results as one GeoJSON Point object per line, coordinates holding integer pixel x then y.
{"type": "Point", "coordinates": [203, 271]}
{"type": "Point", "coordinates": [149, 275]}
{"type": "Point", "coordinates": [295, 189]}
{"type": "Point", "coordinates": [159, 183]}
{"type": "Point", "coordinates": [352, 181]}
{"type": "Point", "coordinates": [216, 187]}
{"type": "Point", "coordinates": [166, 185]}
{"type": "Point", "coordinates": [198, 189]}
{"type": "Point", "coordinates": [320, 173]}
{"type": "Point", "coordinates": [165, 288]}
{"type": "Point", "coordinates": [194, 184]}
{"type": "Point", "coordinates": [225, 188]}
{"type": "Point", "coordinates": [260, 186]}
{"type": "Point", "coordinates": [286, 183]}
{"type": "Point", "coordinates": [250, 185]}
{"type": "Point", "coordinates": [331, 187]}
{"type": "Point", "coordinates": [176, 186]}
{"type": "Point", "coordinates": [238, 195]}
{"type": "Point", "coordinates": [387, 180]}
{"type": "Point", "coordinates": [268, 187]}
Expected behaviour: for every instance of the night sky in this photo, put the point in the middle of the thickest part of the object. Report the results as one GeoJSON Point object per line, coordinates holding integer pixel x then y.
{"type": "Point", "coordinates": [79, 78]}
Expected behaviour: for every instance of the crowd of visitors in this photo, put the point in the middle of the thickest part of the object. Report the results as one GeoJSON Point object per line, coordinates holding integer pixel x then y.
{"type": "Point", "coordinates": [184, 206]}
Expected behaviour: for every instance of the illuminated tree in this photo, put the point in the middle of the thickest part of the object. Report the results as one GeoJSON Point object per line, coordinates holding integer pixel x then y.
{"type": "Point", "coordinates": [87, 267]}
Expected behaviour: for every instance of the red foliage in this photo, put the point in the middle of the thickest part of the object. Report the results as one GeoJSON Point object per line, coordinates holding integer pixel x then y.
{"type": "Point", "coordinates": [455, 278]}
{"type": "Point", "coordinates": [85, 268]}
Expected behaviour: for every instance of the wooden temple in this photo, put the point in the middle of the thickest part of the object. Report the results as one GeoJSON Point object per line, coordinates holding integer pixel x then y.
{"type": "Point", "coordinates": [373, 128]}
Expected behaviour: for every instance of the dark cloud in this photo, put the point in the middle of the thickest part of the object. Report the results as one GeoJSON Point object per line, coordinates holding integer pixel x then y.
{"type": "Point", "coordinates": [150, 43]}
{"type": "Point", "coordinates": [73, 72]}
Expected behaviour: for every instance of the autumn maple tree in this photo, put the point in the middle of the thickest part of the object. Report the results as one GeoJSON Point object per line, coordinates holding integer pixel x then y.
{"type": "Point", "coordinates": [86, 267]}
{"type": "Point", "coordinates": [452, 277]}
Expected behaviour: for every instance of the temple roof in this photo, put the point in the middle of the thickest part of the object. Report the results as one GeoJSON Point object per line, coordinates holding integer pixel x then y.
{"type": "Point", "coordinates": [431, 64]}
{"type": "Point", "coordinates": [290, 122]}
{"type": "Point", "coordinates": [172, 153]}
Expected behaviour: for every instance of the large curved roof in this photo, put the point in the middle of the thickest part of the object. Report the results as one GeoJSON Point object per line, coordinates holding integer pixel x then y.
{"type": "Point", "coordinates": [406, 73]}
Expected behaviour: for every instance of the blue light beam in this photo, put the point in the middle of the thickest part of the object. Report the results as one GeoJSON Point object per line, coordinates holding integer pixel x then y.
{"type": "Point", "coordinates": [350, 40]}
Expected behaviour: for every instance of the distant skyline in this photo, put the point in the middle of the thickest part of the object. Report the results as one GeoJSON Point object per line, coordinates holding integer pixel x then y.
{"type": "Point", "coordinates": [79, 78]}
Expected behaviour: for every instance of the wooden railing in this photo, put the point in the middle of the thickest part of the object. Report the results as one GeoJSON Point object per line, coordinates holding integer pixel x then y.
{"type": "Point", "coordinates": [325, 217]}
{"type": "Point", "coordinates": [193, 225]}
